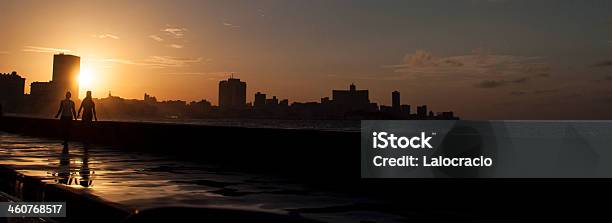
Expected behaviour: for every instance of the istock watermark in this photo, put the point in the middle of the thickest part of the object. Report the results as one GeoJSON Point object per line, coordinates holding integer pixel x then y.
{"type": "Point", "coordinates": [385, 140]}
{"type": "Point", "coordinates": [486, 149]}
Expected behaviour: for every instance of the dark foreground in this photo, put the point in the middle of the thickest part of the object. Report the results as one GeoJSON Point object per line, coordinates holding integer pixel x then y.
{"type": "Point", "coordinates": [324, 162]}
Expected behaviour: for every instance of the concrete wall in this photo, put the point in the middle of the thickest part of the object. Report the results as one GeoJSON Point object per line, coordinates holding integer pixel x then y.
{"type": "Point", "coordinates": [304, 153]}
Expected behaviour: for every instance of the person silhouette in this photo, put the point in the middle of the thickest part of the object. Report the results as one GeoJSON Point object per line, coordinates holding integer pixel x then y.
{"type": "Point", "coordinates": [89, 112]}
{"type": "Point", "coordinates": [67, 112]}
{"type": "Point", "coordinates": [89, 109]}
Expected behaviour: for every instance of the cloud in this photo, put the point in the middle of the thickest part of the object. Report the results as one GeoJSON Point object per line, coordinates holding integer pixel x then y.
{"type": "Point", "coordinates": [215, 74]}
{"type": "Point", "coordinates": [175, 32]}
{"type": "Point", "coordinates": [176, 46]}
{"type": "Point", "coordinates": [38, 49]}
{"type": "Point", "coordinates": [520, 80]}
{"type": "Point", "coordinates": [187, 73]}
{"type": "Point", "coordinates": [168, 61]}
{"type": "Point", "coordinates": [500, 83]}
{"type": "Point", "coordinates": [541, 69]}
{"type": "Point", "coordinates": [546, 91]}
{"type": "Point", "coordinates": [478, 62]}
{"type": "Point", "coordinates": [230, 25]}
{"type": "Point", "coordinates": [606, 63]}
{"type": "Point", "coordinates": [491, 84]}
{"type": "Point", "coordinates": [518, 93]}
{"type": "Point", "coordinates": [119, 61]}
{"type": "Point", "coordinates": [539, 92]}
{"type": "Point", "coordinates": [157, 61]}
{"type": "Point", "coordinates": [105, 36]}
{"type": "Point", "coordinates": [156, 38]}
{"type": "Point", "coordinates": [420, 58]}
{"type": "Point", "coordinates": [212, 76]}
{"type": "Point", "coordinates": [476, 65]}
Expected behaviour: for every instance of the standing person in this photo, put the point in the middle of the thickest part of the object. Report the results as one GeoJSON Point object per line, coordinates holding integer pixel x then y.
{"type": "Point", "coordinates": [89, 112]}
{"type": "Point", "coordinates": [66, 109]}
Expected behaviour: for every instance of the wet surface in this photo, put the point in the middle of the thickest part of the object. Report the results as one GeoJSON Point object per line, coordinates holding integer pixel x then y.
{"type": "Point", "coordinates": [333, 125]}
{"type": "Point", "coordinates": [139, 181]}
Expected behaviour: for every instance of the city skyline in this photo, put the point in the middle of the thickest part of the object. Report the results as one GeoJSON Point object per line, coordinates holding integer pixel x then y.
{"type": "Point", "coordinates": [350, 104]}
{"type": "Point", "coordinates": [482, 59]}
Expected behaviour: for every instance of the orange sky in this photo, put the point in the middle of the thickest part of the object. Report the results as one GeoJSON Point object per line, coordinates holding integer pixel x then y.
{"type": "Point", "coordinates": [482, 59]}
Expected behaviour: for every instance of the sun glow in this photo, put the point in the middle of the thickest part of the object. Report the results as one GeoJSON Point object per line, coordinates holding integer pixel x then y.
{"type": "Point", "coordinates": [86, 78]}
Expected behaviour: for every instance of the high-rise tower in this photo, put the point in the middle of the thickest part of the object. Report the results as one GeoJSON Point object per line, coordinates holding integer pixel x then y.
{"type": "Point", "coordinates": [232, 94]}
{"type": "Point", "coordinates": [66, 69]}
{"type": "Point", "coordinates": [395, 101]}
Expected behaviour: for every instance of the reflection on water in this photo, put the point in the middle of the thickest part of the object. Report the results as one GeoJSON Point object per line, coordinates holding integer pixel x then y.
{"type": "Point", "coordinates": [138, 181]}
{"type": "Point", "coordinates": [77, 175]}
{"type": "Point", "coordinates": [86, 174]}
{"type": "Point", "coordinates": [335, 125]}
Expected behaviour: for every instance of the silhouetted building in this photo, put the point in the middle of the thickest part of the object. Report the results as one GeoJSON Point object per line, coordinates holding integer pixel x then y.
{"type": "Point", "coordinates": [284, 103]}
{"type": "Point", "coordinates": [352, 100]}
{"type": "Point", "coordinates": [149, 99]}
{"type": "Point", "coordinates": [260, 100]}
{"type": "Point", "coordinates": [42, 99]}
{"type": "Point", "coordinates": [113, 107]}
{"type": "Point", "coordinates": [395, 101]}
{"type": "Point", "coordinates": [66, 69]}
{"type": "Point", "coordinates": [422, 111]}
{"type": "Point", "coordinates": [42, 90]}
{"type": "Point", "coordinates": [305, 110]}
{"type": "Point", "coordinates": [232, 94]}
{"type": "Point", "coordinates": [270, 107]}
{"type": "Point", "coordinates": [172, 108]}
{"type": "Point", "coordinates": [405, 109]}
{"type": "Point", "coordinates": [325, 100]}
{"type": "Point", "coordinates": [446, 115]}
{"type": "Point", "coordinates": [386, 109]}
{"type": "Point", "coordinates": [199, 109]}
{"type": "Point", "coordinates": [272, 101]}
{"type": "Point", "coordinates": [11, 90]}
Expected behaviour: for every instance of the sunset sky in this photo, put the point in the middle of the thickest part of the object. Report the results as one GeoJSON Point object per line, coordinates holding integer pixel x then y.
{"type": "Point", "coordinates": [483, 59]}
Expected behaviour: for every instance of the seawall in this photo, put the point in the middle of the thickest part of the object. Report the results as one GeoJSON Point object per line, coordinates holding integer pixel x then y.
{"type": "Point", "coordinates": [303, 153]}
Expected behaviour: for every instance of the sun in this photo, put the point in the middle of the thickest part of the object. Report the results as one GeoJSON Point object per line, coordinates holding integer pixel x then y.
{"type": "Point", "coordinates": [86, 78]}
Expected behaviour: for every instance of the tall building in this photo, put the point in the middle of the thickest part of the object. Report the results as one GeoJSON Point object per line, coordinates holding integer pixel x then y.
{"type": "Point", "coordinates": [422, 111]}
{"type": "Point", "coordinates": [395, 100]}
{"type": "Point", "coordinates": [11, 90]}
{"type": "Point", "coordinates": [66, 69]}
{"type": "Point", "coordinates": [232, 94]}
